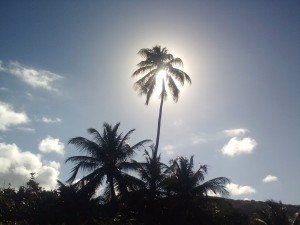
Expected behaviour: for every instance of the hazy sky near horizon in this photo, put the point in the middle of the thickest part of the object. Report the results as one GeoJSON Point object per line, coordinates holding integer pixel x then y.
{"type": "Point", "coordinates": [66, 66]}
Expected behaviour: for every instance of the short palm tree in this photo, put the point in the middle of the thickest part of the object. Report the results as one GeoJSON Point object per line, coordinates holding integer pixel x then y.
{"type": "Point", "coordinates": [185, 182]}
{"type": "Point", "coordinates": [105, 158]}
{"type": "Point", "coordinates": [155, 60]}
{"type": "Point", "coordinates": [151, 173]}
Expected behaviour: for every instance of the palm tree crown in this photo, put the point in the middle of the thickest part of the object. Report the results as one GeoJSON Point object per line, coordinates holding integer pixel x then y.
{"type": "Point", "coordinates": [152, 174]}
{"type": "Point", "coordinates": [185, 182]}
{"type": "Point", "coordinates": [105, 158]}
{"type": "Point", "coordinates": [155, 60]}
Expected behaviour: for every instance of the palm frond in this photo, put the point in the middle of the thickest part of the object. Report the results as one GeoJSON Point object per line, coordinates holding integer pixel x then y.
{"type": "Point", "coordinates": [144, 67]}
{"type": "Point", "coordinates": [85, 145]}
{"type": "Point", "coordinates": [176, 61]}
{"type": "Point", "coordinates": [173, 88]}
{"type": "Point", "coordinates": [216, 185]}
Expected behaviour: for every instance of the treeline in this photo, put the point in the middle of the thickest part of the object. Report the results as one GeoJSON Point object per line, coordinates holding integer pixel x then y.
{"type": "Point", "coordinates": [69, 204]}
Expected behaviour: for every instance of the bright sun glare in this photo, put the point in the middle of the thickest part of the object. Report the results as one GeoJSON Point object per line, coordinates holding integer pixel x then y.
{"type": "Point", "coordinates": [159, 78]}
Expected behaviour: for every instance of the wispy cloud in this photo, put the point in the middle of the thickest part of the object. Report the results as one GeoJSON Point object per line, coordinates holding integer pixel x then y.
{"type": "Point", "coordinates": [51, 120]}
{"type": "Point", "coordinates": [270, 178]}
{"type": "Point", "coordinates": [235, 189]}
{"type": "Point", "coordinates": [50, 144]}
{"type": "Point", "coordinates": [8, 117]}
{"type": "Point", "coordinates": [3, 89]}
{"type": "Point", "coordinates": [27, 129]}
{"type": "Point", "coordinates": [36, 78]}
{"type": "Point", "coordinates": [238, 144]}
{"type": "Point", "coordinates": [16, 166]}
{"type": "Point", "coordinates": [169, 149]}
{"type": "Point", "coordinates": [236, 132]}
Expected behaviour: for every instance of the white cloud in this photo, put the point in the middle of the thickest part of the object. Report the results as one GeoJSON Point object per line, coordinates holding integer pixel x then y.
{"type": "Point", "coordinates": [270, 178]}
{"type": "Point", "coordinates": [237, 146]}
{"type": "Point", "coordinates": [236, 132]}
{"type": "Point", "coordinates": [8, 117]}
{"type": "Point", "coordinates": [50, 144]}
{"type": "Point", "coordinates": [235, 189]}
{"type": "Point", "coordinates": [169, 149]}
{"type": "Point", "coordinates": [211, 193]}
{"type": "Point", "coordinates": [16, 166]}
{"type": "Point", "coordinates": [34, 77]}
{"type": "Point", "coordinates": [50, 120]}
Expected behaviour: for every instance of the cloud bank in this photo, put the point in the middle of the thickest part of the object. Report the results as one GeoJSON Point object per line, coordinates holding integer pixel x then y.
{"type": "Point", "coordinates": [16, 166]}
{"type": "Point", "coordinates": [8, 117]}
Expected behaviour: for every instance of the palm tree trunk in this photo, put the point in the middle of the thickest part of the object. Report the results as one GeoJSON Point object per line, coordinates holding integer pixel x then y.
{"type": "Point", "coordinates": [112, 189]}
{"type": "Point", "coordinates": [159, 117]}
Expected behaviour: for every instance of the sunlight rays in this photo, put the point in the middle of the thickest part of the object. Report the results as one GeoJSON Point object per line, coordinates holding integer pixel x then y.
{"type": "Point", "coordinates": [161, 75]}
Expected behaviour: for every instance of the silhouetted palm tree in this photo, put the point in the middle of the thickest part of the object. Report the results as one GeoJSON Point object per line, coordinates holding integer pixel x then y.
{"type": "Point", "coordinates": [187, 191]}
{"type": "Point", "coordinates": [151, 173]}
{"type": "Point", "coordinates": [155, 60]}
{"type": "Point", "coordinates": [105, 158]}
{"type": "Point", "coordinates": [185, 182]}
{"type": "Point", "coordinates": [274, 214]}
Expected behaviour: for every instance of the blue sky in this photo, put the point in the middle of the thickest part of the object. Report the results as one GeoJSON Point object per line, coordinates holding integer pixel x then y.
{"type": "Point", "coordinates": [66, 66]}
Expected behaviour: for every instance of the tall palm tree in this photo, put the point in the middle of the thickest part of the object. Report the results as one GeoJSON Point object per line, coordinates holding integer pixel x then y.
{"type": "Point", "coordinates": [185, 182]}
{"type": "Point", "coordinates": [155, 60]}
{"type": "Point", "coordinates": [105, 158]}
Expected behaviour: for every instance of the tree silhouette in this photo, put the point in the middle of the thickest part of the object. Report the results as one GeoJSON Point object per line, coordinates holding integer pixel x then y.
{"type": "Point", "coordinates": [106, 157]}
{"type": "Point", "coordinates": [151, 172]}
{"type": "Point", "coordinates": [275, 213]}
{"type": "Point", "coordinates": [185, 182]}
{"type": "Point", "coordinates": [74, 197]}
{"type": "Point", "coordinates": [155, 60]}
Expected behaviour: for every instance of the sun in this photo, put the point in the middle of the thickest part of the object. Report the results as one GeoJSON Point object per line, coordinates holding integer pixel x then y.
{"type": "Point", "coordinates": [161, 75]}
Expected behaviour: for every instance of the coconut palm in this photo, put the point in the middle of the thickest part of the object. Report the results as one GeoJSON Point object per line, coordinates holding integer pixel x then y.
{"type": "Point", "coordinates": [185, 182]}
{"type": "Point", "coordinates": [105, 158]}
{"type": "Point", "coordinates": [151, 173]}
{"type": "Point", "coordinates": [158, 59]}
